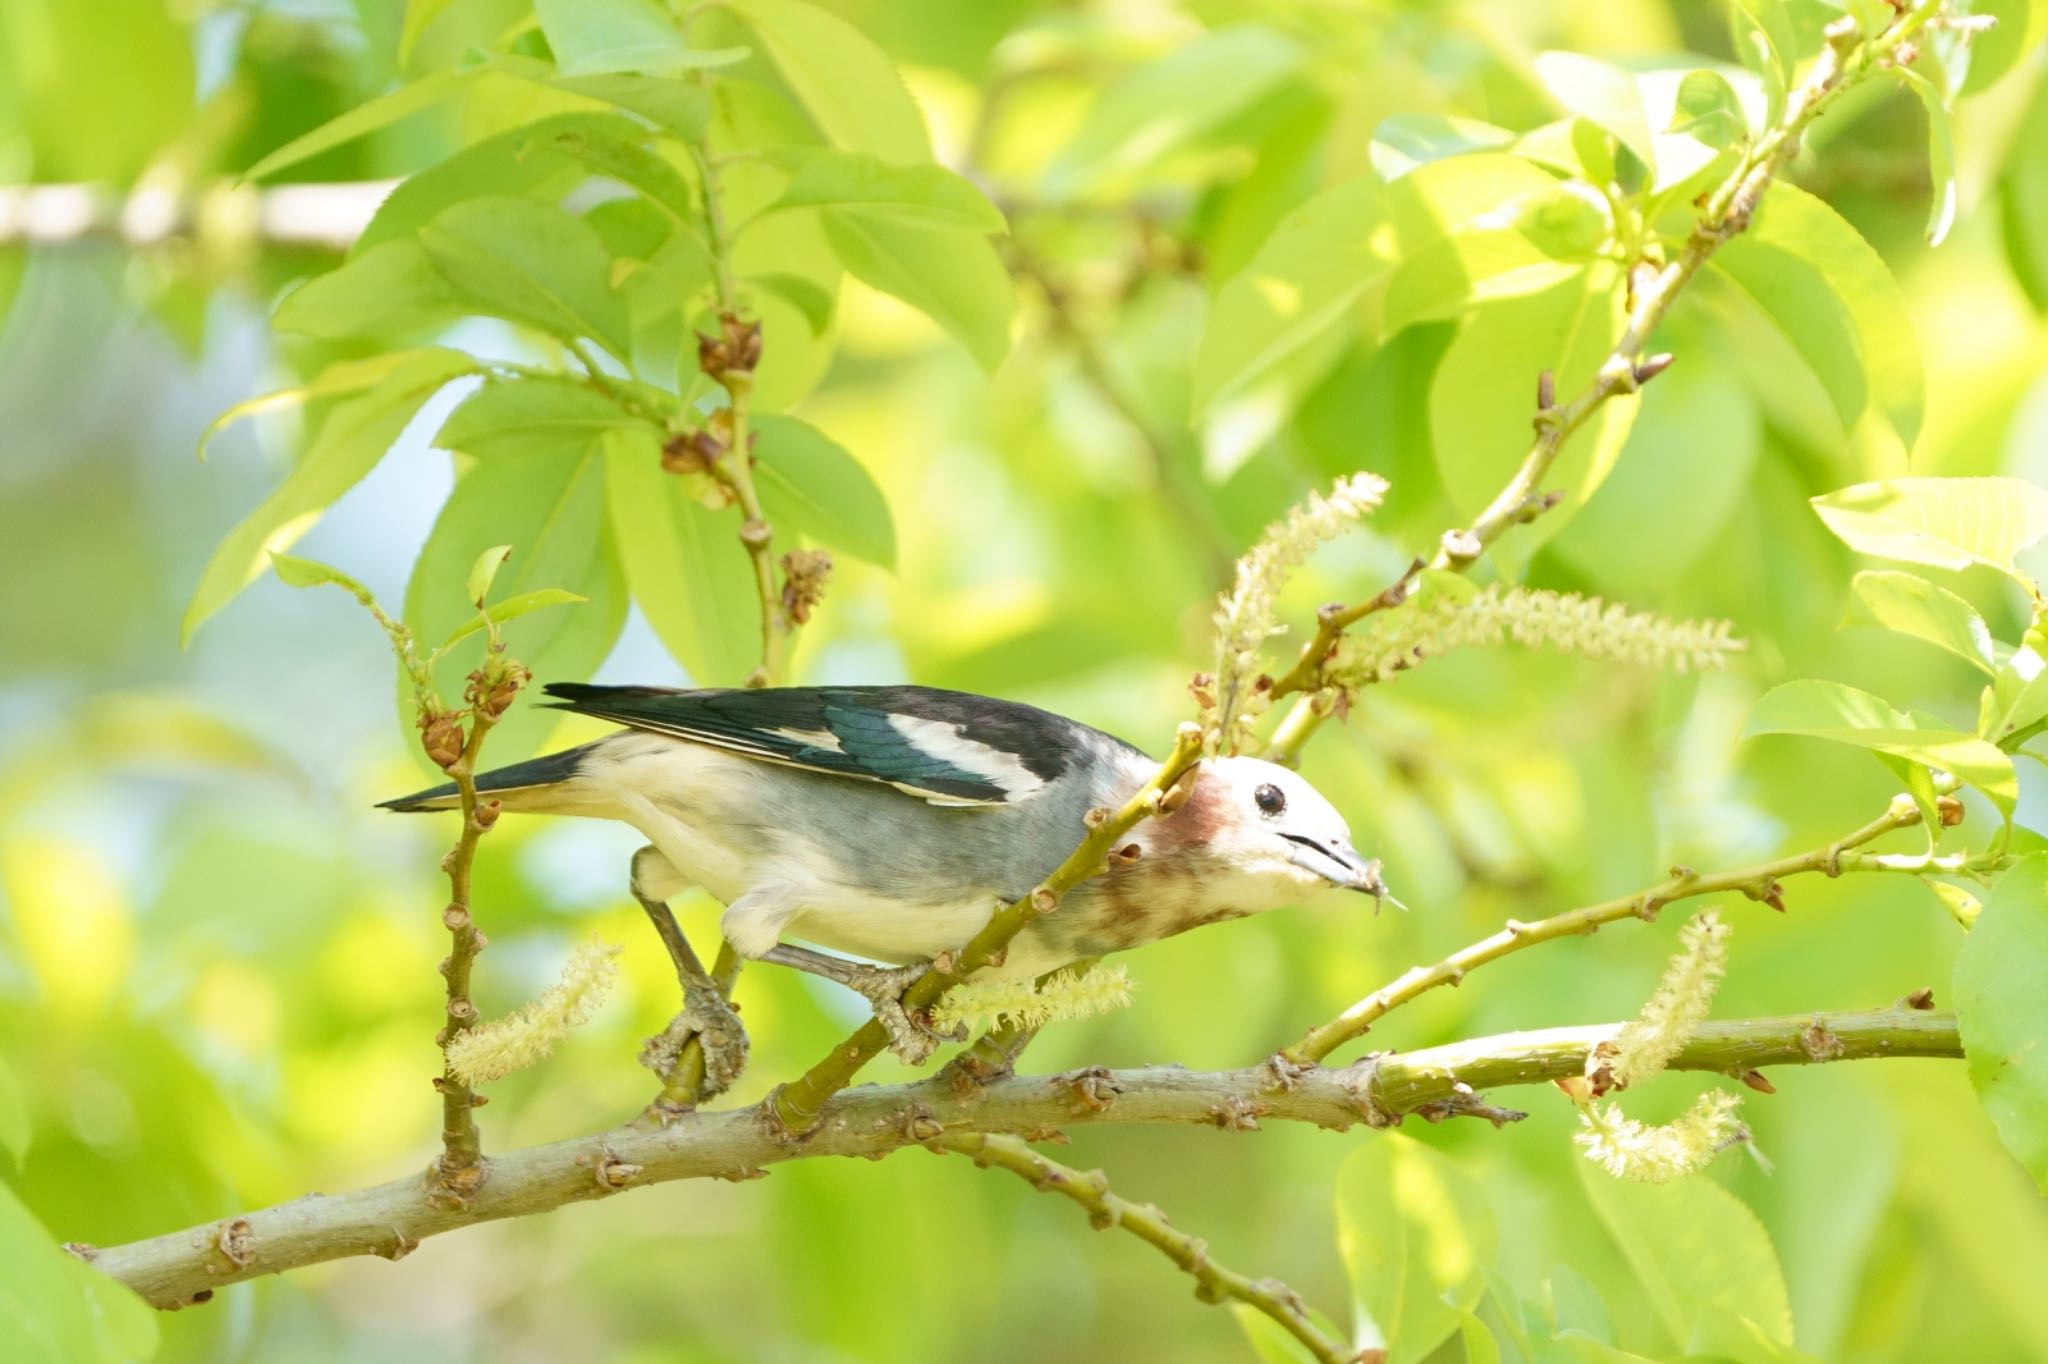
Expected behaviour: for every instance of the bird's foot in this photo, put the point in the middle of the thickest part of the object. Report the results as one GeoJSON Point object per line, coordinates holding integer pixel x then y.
{"type": "Point", "coordinates": [711, 1021]}
{"type": "Point", "coordinates": [911, 1036]}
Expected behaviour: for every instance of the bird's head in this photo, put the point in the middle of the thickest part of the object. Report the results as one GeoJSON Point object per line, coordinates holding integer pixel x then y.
{"type": "Point", "coordinates": [1268, 823]}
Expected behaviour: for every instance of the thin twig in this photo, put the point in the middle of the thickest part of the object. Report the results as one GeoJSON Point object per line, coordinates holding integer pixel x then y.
{"type": "Point", "coordinates": [1758, 882]}
{"type": "Point", "coordinates": [1843, 63]}
{"type": "Point", "coordinates": [1214, 1282]}
{"type": "Point", "coordinates": [390, 1219]}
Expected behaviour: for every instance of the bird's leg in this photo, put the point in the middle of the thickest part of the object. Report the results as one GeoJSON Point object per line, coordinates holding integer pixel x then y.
{"type": "Point", "coordinates": [706, 1011]}
{"type": "Point", "coordinates": [882, 986]}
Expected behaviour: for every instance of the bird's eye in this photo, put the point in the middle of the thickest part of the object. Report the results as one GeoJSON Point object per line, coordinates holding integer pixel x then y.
{"type": "Point", "coordinates": [1269, 799]}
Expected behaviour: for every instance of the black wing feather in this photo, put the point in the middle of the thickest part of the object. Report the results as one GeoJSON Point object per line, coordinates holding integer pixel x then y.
{"type": "Point", "coordinates": [853, 732]}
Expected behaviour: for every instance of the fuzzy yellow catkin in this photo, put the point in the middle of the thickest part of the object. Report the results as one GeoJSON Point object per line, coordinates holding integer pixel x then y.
{"type": "Point", "coordinates": [1534, 618]}
{"type": "Point", "coordinates": [1647, 1154]}
{"type": "Point", "coordinates": [1245, 614]}
{"type": "Point", "coordinates": [1031, 1004]}
{"type": "Point", "coordinates": [493, 1050]}
{"type": "Point", "coordinates": [1646, 1044]}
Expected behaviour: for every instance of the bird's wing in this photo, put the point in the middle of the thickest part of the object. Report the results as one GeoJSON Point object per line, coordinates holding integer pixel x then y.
{"type": "Point", "coordinates": [948, 748]}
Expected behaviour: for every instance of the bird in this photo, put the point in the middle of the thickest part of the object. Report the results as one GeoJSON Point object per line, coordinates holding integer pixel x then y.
{"type": "Point", "coordinates": [889, 823]}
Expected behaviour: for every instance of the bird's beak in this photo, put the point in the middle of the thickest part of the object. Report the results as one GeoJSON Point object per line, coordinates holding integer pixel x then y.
{"type": "Point", "coordinates": [1340, 865]}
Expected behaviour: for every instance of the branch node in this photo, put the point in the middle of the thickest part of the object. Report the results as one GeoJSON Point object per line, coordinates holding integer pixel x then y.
{"type": "Point", "coordinates": [1237, 1114]}
{"type": "Point", "coordinates": [1090, 1091]}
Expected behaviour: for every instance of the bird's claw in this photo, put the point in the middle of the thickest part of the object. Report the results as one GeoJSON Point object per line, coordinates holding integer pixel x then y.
{"type": "Point", "coordinates": [910, 1037]}
{"type": "Point", "coordinates": [719, 1032]}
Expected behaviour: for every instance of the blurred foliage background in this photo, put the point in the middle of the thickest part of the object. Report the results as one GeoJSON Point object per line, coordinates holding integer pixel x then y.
{"type": "Point", "coordinates": [216, 961]}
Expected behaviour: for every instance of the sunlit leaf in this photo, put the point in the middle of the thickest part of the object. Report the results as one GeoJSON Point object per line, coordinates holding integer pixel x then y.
{"type": "Point", "coordinates": [389, 289]}
{"type": "Point", "coordinates": [2001, 990]}
{"type": "Point", "coordinates": [549, 505]}
{"type": "Point", "coordinates": [1417, 1237]}
{"type": "Point", "coordinates": [1159, 108]}
{"type": "Point", "coordinates": [599, 37]}
{"type": "Point", "coordinates": [856, 180]}
{"type": "Point", "coordinates": [1268, 1339]}
{"type": "Point", "coordinates": [294, 571]}
{"type": "Point", "coordinates": [1708, 109]}
{"type": "Point", "coordinates": [1835, 300]}
{"type": "Point", "coordinates": [1702, 1261]}
{"type": "Point", "coordinates": [684, 563]}
{"type": "Point", "coordinates": [952, 276]}
{"type": "Point", "coordinates": [55, 1309]}
{"type": "Point", "coordinates": [1941, 153]}
{"type": "Point", "coordinates": [2023, 197]}
{"type": "Point", "coordinates": [1910, 605]}
{"type": "Point", "coordinates": [1828, 710]}
{"type": "Point", "coordinates": [1405, 141]}
{"type": "Point", "coordinates": [343, 376]}
{"type": "Point", "coordinates": [1318, 262]}
{"type": "Point", "coordinates": [1603, 94]}
{"type": "Point", "coordinates": [531, 262]}
{"type": "Point", "coordinates": [418, 15]}
{"type": "Point", "coordinates": [809, 481]}
{"type": "Point", "coordinates": [364, 119]}
{"type": "Point", "coordinates": [531, 415]}
{"type": "Point", "coordinates": [847, 84]}
{"type": "Point", "coordinates": [14, 1120]}
{"type": "Point", "coordinates": [484, 570]}
{"type": "Point", "coordinates": [350, 442]}
{"type": "Point", "coordinates": [1484, 394]}
{"type": "Point", "coordinates": [1942, 522]}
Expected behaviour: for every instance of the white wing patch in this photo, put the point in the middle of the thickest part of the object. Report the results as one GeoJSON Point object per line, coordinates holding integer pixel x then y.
{"type": "Point", "coordinates": [938, 739]}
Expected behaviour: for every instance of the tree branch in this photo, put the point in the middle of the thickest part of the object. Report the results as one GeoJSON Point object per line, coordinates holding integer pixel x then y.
{"type": "Point", "coordinates": [1213, 1282]}
{"type": "Point", "coordinates": [390, 1219]}
{"type": "Point", "coordinates": [1758, 882]}
{"type": "Point", "coordinates": [1844, 63]}
{"type": "Point", "coordinates": [329, 216]}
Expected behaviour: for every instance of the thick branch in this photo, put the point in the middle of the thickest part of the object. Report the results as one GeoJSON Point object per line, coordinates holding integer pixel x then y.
{"type": "Point", "coordinates": [1843, 63]}
{"type": "Point", "coordinates": [799, 1105]}
{"type": "Point", "coordinates": [390, 1219]}
{"type": "Point", "coordinates": [1213, 1282]}
{"type": "Point", "coordinates": [330, 216]}
{"type": "Point", "coordinates": [1759, 882]}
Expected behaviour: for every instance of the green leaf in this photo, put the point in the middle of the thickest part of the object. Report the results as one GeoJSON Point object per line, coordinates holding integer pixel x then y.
{"type": "Point", "coordinates": [343, 376]}
{"type": "Point", "coordinates": [549, 505]}
{"type": "Point", "coordinates": [391, 288]}
{"type": "Point", "coordinates": [531, 262]}
{"type": "Point", "coordinates": [1910, 605]}
{"type": "Point", "coordinates": [1405, 141]}
{"type": "Point", "coordinates": [483, 571]}
{"type": "Point", "coordinates": [530, 415]}
{"type": "Point", "coordinates": [1471, 266]}
{"type": "Point", "coordinates": [808, 481]}
{"type": "Point", "coordinates": [1161, 107]}
{"type": "Point", "coordinates": [1703, 1261]}
{"type": "Point", "coordinates": [2023, 198]}
{"type": "Point", "coordinates": [604, 148]}
{"type": "Point", "coordinates": [351, 441]}
{"type": "Point", "coordinates": [599, 37]}
{"type": "Point", "coordinates": [418, 14]}
{"type": "Point", "coordinates": [293, 571]}
{"type": "Point", "coordinates": [1834, 299]}
{"type": "Point", "coordinates": [15, 1129]}
{"type": "Point", "coordinates": [1764, 42]}
{"type": "Point", "coordinates": [1845, 715]}
{"type": "Point", "coordinates": [1317, 264]}
{"type": "Point", "coordinates": [952, 276]}
{"type": "Point", "coordinates": [366, 118]}
{"type": "Point", "coordinates": [1941, 153]}
{"type": "Point", "coordinates": [1603, 94]}
{"type": "Point", "coordinates": [1477, 1341]}
{"type": "Point", "coordinates": [2017, 698]}
{"type": "Point", "coordinates": [847, 83]}
{"type": "Point", "coordinates": [1708, 109]}
{"type": "Point", "coordinates": [2001, 992]}
{"type": "Point", "coordinates": [1270, 1341]}
{"type": "Point", "coordinates": [919, 194]}
{"type": "Point", "coordinates": [512, 608]}
{"type": "Point", "coordinates": [806, 296]}
{"type": "Point", "coordinates": [1484, 392]}
{"type": "Point", "coordinates": [1417, 1237]}
{"type": "Point", "coordinates": [1942, 522]}
{"type": "Point", "coordinates": [676, 106]}
{"type": "Point", "coordinates": [55, 1309]}
{"type": "Point", "coordinates": [526, 160]}
{"type": "Point", "coordinates": [685, 564]}
{"type": "Point", "coordinates": [1682, 474]}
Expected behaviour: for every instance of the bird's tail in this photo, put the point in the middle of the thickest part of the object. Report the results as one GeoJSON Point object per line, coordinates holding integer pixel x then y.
{"type": "Point", "coordinates": [532, 775]}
